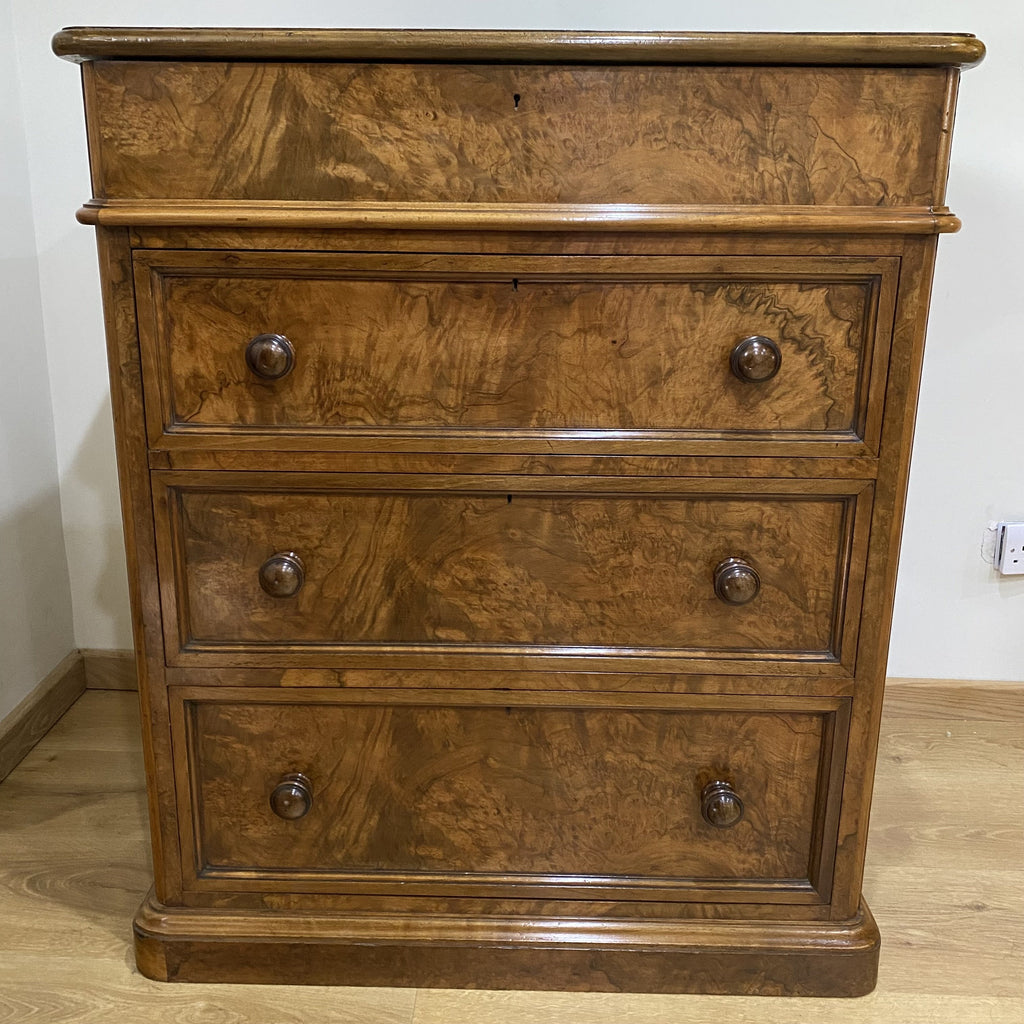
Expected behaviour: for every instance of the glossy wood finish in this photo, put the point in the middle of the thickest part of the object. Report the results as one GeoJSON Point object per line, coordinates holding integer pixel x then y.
{"type": "Point", "coordinates": [633, 676]}
{"type": "Point", "coordinates": [292, 797]}
{"type": "Point", "coordinates": [720, 805]}
{"type": "Point", "coordinates": [412, 567]}
{"type": "Point", "coordinates": [586, 218]}
{"type": "Point", "coordinates": [305, 44]}
{"type": "Point", "coordinates": [455, 133]}
{"type": "Point", "coordinates": [509, 798]}
{"type": "Point", "coordinates": [944, 879]}
{"type": "Point", "coordinates": [509, 527]}
{"type": "Point", "coordinates": [127, 407]}
{"type": "Point", "coordinates": [788, 237]}
{"type": "Point", "coordinates": [755, 360]}
{"type": "Point", "coordinates": [282, 575]}
{"type": "Point", "coordinates": [831, 959]}
{"type": "Point", "coordinates": [474, 344]}
{"type": "Point", "coordinates": [292, 454]}
{"type": "Point", "coordinates": [269, 356]}
{"type": "Point", "coordinates": [736, 581]}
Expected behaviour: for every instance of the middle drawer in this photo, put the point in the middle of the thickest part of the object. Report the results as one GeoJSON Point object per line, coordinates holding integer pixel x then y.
{"type": "Point", "coordinates": [312, 569]}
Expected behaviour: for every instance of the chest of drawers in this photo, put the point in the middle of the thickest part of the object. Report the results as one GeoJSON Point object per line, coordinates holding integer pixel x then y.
{"type": "Point", "coordinates": [513, 432]}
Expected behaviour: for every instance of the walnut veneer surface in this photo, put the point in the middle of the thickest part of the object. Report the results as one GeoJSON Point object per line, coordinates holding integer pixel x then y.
{"type": "Point", "coordinates": [513, 432]}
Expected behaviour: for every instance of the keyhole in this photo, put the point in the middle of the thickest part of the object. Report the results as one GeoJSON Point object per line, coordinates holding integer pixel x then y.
{"type": "Point", "coordinates": [515, 100]}
{"type": "Point", "coordinates": [509, 497]}
{"type": "Point", "coordinates": [515, 284]}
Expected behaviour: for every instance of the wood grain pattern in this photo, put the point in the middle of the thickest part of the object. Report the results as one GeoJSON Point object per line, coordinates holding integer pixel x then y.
{"type": "Point", "coordinates": [23, 727]}
{"type": "Point", "coordinates": [455, 133]}
{"type": "Point", "coordinates": [953, 936]}
{"type": "Point", "coordinates": [974, 700]}
{"type": "Point", "coordinates": [110, 669]}
{"type": "Point", "coordinates": [380, 900]}
{"type": "Point", "coordinates": [431, 797]}
{"type": "Point", "coordinates": [767, 685]}
{"type": "Point", "coordinates": [471, 525]}
{"type": "Point", "coordinates": [751, 966]}
{"type": "Point", "coordinates": [340, 44]}
{"type": "Point", "coordinates": [77, 988]}
{"type": "Point", "coordinates": [694, 240]}
{"type": "Point", "coordinates": [290, 455]}
{"type": "Point", "coordinates": [617, 345]}
{"type": "Point", "coordinates": [127, 408]}
{"type": "Point", "coordinates": [881, 562]}
{"type": "Point", "coordinates": [585, 219]}
{"type": "Point", "coordinates": [422, 568]}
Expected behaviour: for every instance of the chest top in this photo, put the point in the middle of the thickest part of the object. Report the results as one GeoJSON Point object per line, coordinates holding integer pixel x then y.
{"type": "Point", "coordinates": [586, 130]}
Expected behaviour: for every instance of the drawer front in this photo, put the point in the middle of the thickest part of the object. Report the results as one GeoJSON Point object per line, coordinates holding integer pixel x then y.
{"type": "Point", "coordinates": [513, 134]}
{"type": "Point", "coordinates": [506, 347]}
{"type": "Point", "coordinates": [408, 567]}
{"type": "Point", "coordinates": [527, 794]}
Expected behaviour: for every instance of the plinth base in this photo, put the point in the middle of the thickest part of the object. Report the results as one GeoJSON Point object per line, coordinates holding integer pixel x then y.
{"type": "Point", "coordinates": [578, 955]}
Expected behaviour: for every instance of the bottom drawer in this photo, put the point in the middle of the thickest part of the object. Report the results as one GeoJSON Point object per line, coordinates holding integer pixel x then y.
{"type": "Point", "coordinates": [594, 796]}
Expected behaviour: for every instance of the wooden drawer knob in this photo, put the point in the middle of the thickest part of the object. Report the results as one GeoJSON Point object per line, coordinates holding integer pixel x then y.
{"type": "Point", "coordinates": [755, 359]}
{"type": "Point", "coordinates": [292, 797]}
{"type": "Point", "coordinates": [270, 356]}
{"type": "Point", "coordinates": [283, 574]}
{"type": "Point", "coordinates": [720, 805]}
{"type": "Point", "coordinates": [736, 581]}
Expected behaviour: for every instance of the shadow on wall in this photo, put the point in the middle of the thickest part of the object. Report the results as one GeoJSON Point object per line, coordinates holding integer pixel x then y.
{"type": "Point", "coordinates": [35, 611]}
{"type": "Point", "coordinates": [94, 538]}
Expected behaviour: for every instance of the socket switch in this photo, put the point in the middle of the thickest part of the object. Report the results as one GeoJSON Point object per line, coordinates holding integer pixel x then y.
{"type": "Point", "coordinates": [1009, 554]}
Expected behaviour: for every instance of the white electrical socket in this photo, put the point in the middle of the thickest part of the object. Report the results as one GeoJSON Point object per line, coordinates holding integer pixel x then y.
{"type": "Point", "coordinates": [1009, 553]}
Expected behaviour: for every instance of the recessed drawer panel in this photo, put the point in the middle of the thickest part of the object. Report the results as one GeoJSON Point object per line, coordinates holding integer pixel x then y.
{"type": "Point", "coordinates": [318, 568]}
{"type": "Point", "coordinates": [505, 793]}
{"type": "Point", "coordinates": [507, 348]}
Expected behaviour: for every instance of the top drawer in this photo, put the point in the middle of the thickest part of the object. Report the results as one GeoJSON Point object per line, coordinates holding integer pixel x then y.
{"type": "Point", "coordinates": [478, 133]}
{"type": "Point", "coordinates": [515, 353]}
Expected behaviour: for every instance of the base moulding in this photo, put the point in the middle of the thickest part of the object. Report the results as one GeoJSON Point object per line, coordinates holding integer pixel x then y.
{"type": "Point", "coordinates": [831, 958]}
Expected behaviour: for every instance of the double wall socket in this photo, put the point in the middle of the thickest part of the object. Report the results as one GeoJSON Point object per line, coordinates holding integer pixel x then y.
{"type": "Point", "coordinates": [1009, 549]}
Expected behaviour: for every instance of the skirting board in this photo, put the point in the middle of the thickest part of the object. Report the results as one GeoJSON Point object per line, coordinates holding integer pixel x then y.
{"type": "Point", "coordinates": [109, 670]}
{"type": "Point", "coordinates": [33, 718]}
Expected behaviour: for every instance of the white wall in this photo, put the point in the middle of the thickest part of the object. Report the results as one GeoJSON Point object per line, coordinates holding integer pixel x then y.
{"type": "Point", "coordinates": [954, 619]}
{"type": "Point", "coordinates": [35, 603]}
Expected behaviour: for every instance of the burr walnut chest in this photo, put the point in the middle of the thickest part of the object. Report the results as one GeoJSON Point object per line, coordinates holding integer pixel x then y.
{"type": "Point", "coordinates": [513, 432]}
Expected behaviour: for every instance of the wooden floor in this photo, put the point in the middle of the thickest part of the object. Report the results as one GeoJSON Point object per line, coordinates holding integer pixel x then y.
{"type": "Point", "coordinates": [945, 880]}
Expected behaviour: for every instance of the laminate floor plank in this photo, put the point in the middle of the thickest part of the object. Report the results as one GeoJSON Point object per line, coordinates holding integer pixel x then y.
{"type": "Point", "coordinates": [112, 992]}
{"type": "Point", "coordinates": [961, 700]}
{"type": "Point", "coordinates": [945, 847]}
{"type": "Point", "coordinates": [923, 746]}
{"type": "Point", "coordinates": [944, 878]}
{"type": "Point", "coordinates": [449, 1007]}
{"type": "Point", "coordinates": [70, 906]}
{"type": "Point", "coordinates": [87, 804]}
{"type": "Point", "coordinates": [102, 725]}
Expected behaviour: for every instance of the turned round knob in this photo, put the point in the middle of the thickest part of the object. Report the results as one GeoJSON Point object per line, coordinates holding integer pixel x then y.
{"type": "Point", "coordinates": [283, 574]}
{"type": "Point", "coordinates": [755, 359]}
{"type": "Point", "coordinates": [720, 805]}
{"type": "Point", "coordinates": [292, 797]}
{"type": "Point", "coordinates": [736, 581]}
{"type": "Point", "coordinates": [270, 356]}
